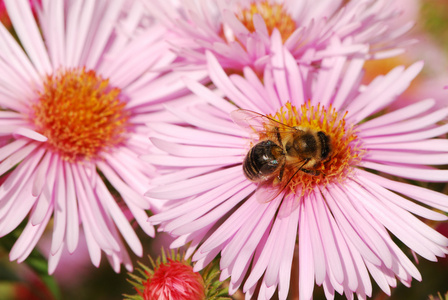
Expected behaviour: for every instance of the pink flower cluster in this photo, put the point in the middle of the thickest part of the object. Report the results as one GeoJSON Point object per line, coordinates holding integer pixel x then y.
{"type": "Point", "coordinates": [244, 126]}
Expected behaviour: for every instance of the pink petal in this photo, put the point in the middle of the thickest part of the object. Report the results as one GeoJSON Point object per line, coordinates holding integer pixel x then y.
{"type": "Point", "coordinates": [195, 137]}
{"type": "Point", "coordinates": [379, 277]}
{"type": "Point", "coordinates": [402, 202]}
{"type": "Point", "coordinates": [53, 30]}
{"type": "Point", "coordinates": [370, 230]}
{"type": "Point", "coordinates": [332, 254]}
{"type": "Point", "coordinates": [271, 92]}
{"type": "Point", "coordinates": [90, 212]}
{"type": "Point", "coordinates": [271, 276]}
{"type": "Point", "coordinates": [195, 151]}
{"type": "Point", "coordinates": [409, 172]}
{"type": "Point", "coordinates": [53, 260]}
{"type": "Point", "coordinates": [173, 161]}
{"type": "Point", "coordinates": [223, 82]}
{"type": "Point", "coordinates": [29, 35]}
{"type": "Point", "coordinates": [124, 189]}
{"type": "Point", "coordinates": [320, 269]}
{"type": "Point", "coordinates": [256, 223]}
{"type": "Point", "coordinates": [142, 219]}
{"type": "Point", "coordinates": [408, 137]}
{"type": "Point", "coordinates": [197, 206]}
{"type": "Point", "coordinates": [386, 90]}
{"type": "Point", "coordinates": [398, 115]}
{"type": "Point", "coordinates": [109, 203]}
{"type": "Point", "coordinates": [78, 24]}
{"type": "Point", "coordinates": [31, 134]}
{"type": "Point", "coordinates": [287, 259]}
{"type": "Point", "coordinates": [72, 234]}
{"type": "Point", "coordinates": [236, 281]}
{"type": "Point", "coordinates": [60, 215]}
{"type": "Point", "coordinates": [29, 238]}
{"type": "Point", "coordinates": [348, 228]}
{"type": "Point", "coordinates": [410, 125]}
{"type": "Point", "coordinates": [347, 259]}
{"type": "Point", "coordinates": [426, 196]}
{"type": "Point", "coordinates": [332, 69]}
{"type": "Point", "coordinates": [211, 96]}
{"type": "Point", "coordinates": [206, 259]}
{"type": "Point", "coordinates": [394, 224]}
{"type": "Point", "coordinates": [196, 185]}
{"type": "Point", "coordinates": [229, 227]}
{"type": "Point", "coordinates": [41, 178]}
{"type": "Point", "coordinates": [11, 148]}
{"type": "Point", "coordinates": [92, 246]}
{"type": "Point", "coordinates": [256, 241]}
{"type": "Point", "coordinates": [352, 73]}
{"type": "Point", "coordinates": [278, 70]}
{"type": "Point", "coordinates": [432, 145]}
{"type": "Point", "coordinates": [18, 69]}
{"type": "Point", "coordinates": [17, 157]}
{"type": "Point", "coordinates": [213, 210]}
{"type": "Point", "coordinates": [365, 285]}
{"type": "Point", "coordinates": [46, 197]}
{"type": "Point", "coordinates": [306, 258]}
{"type": "Point", "coordinates": [407, 158]}
{"type": "Point", "coordinates": [104, 30]}
{"type": "Point", "coordinates": [16, 209]}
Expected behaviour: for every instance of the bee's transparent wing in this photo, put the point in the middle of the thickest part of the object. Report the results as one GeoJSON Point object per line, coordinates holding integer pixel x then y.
{"type": "Point", "coordinates": [289, 204]}
{"type": "Point", "coordinates": [252, 121]}
{"type": "Point", "coordinates": [270, 189]}
{"type": "Point", "coordinates": [266, 192]}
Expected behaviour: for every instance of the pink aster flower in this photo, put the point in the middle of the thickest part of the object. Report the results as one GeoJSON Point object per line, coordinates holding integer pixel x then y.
{"type": "Point", "coordinates": [239, 32]}
{"type": "Point", "coordinates": [74, 102]}
{"type": "Point", "coordinates": [340, 210]}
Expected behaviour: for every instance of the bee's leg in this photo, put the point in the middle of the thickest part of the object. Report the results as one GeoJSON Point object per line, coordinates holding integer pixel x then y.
{"type": "Point", "coordinates": [311, 172]}
{"type": "Point", "coordinates": [282, 171]}
{"type": "Point", "coordinates": [280, 175]}
{"type": "Point", "coordinates": [279, 138]}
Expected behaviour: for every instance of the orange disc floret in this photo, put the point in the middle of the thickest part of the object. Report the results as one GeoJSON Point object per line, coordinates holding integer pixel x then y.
{"type": "Point", "coordinates": [80, 114]}
{"type": "Point", "coordinates": [274, 16]}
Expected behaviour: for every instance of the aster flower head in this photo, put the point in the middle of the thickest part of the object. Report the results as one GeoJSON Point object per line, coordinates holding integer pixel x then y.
{"type": "Point", "coordinates": [239, 32]}
{"type": "Point", "coordinates": [341, 212]}
{"type": "Point", "coordinates": [172, 277]}
{"type": "Point", "coordinates": [74, 103]}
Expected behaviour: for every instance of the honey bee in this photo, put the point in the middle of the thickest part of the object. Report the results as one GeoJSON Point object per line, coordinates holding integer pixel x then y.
{"type": "Point", "coordinates": [281, 147]}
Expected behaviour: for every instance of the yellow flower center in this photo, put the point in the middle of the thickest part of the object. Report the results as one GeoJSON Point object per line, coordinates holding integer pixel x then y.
{"type": "Point", "coordinates": [274, 16]}
{"type": "Point", "coordinates": [80, 114]}
{"type": "Point", "coordinates": [345, 148]}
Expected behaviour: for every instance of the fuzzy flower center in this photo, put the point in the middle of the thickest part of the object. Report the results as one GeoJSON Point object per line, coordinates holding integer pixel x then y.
{"type": "Point", "coordinates": [174, 280]}
{"type": "Point", "coordinates": [345, 150]}
{"type": "Point", "coordinates": [80, 114]}
{"type": "Point", "coordinates": [273, 14]}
